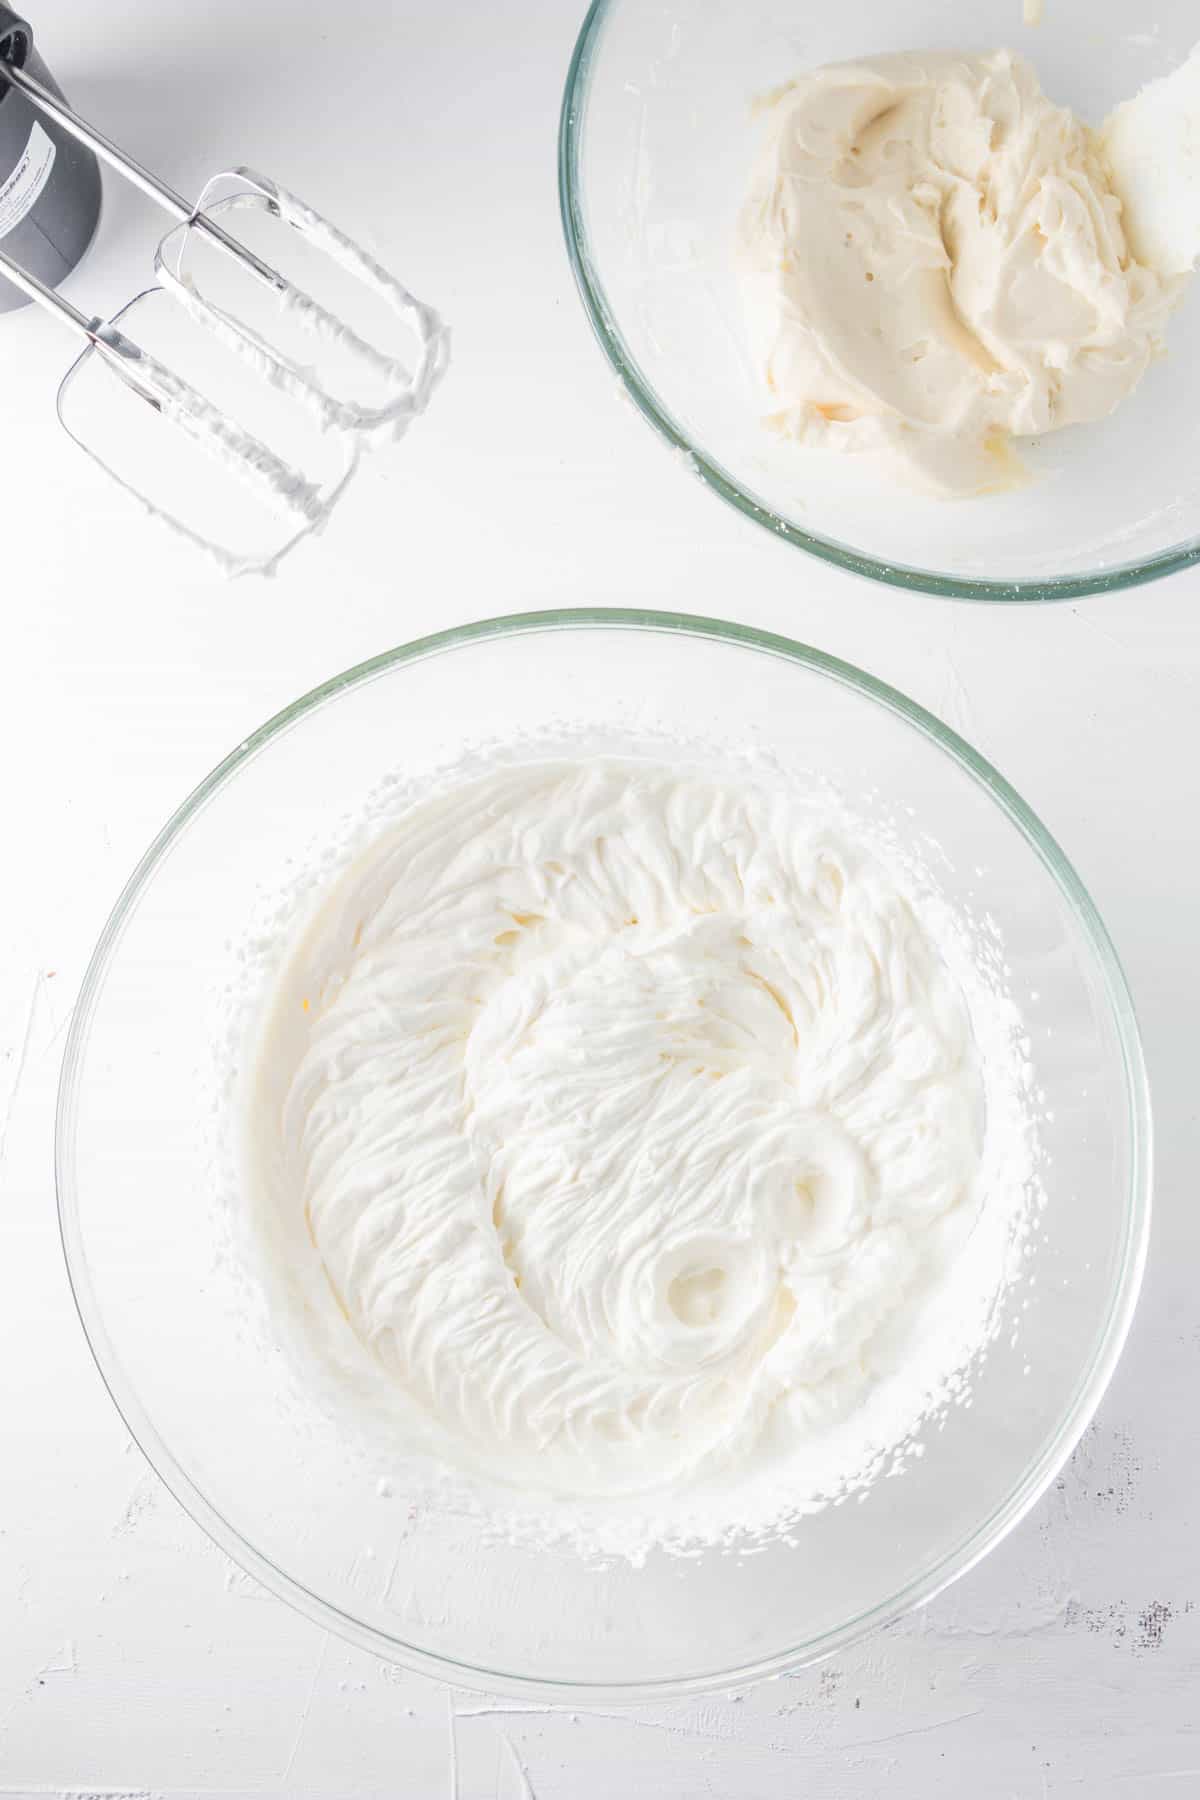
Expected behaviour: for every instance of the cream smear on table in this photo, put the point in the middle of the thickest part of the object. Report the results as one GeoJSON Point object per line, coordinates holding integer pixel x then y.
{"type": "Point", "coordinates": [662, 1149]}
{"type": "Point", "coordinates": [937, 260]}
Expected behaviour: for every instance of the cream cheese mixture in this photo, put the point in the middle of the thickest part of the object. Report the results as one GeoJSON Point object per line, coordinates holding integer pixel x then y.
{"type": "Point", "coordinates": [632, 1114]}
{"type": "Point", "coordinates": [936, 261]}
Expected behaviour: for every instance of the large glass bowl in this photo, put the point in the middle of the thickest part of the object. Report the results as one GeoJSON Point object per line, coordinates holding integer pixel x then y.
{"type": "Point", "coordinates": [164, 1302]}
{"type": "Point", "coordinates": [656, 146]}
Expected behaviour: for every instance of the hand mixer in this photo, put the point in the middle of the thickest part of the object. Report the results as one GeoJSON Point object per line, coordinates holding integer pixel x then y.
{"type": "Point", "coordinates": [288, 491]}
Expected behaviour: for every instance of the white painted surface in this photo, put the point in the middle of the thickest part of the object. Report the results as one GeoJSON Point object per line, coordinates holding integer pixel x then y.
{"type": "Point", "coordinates": [133, 1658]}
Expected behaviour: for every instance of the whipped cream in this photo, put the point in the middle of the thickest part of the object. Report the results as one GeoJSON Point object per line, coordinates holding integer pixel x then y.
{"type": "Point", "coordinates": [633, 1115]}
{"type": "Point", "coordinates": [935, 263]}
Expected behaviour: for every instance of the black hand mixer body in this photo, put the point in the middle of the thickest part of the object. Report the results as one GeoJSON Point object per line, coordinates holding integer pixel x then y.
{"type": "Point", "coordinates": [49, 183]}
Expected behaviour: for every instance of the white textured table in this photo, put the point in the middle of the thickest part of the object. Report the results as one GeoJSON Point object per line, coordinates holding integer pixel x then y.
{"type": "Point", "coordinates": [133, 1658]}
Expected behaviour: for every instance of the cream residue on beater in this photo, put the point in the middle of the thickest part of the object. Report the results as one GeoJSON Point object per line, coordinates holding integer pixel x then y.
{"type": "Point", "coordinates": [287, 492]}
{"type": "Point", "coordinates": [654, 1145]}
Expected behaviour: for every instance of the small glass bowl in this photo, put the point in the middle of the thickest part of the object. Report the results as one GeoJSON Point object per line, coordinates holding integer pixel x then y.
{"type": "Point", "coordinates": [656, 145]}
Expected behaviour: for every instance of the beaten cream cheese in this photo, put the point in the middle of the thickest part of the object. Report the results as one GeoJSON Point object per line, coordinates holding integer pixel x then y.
{"type": "Point", "coordinates": [934, 263]}
{"type": "Point", "coordinates": [630, 1112]}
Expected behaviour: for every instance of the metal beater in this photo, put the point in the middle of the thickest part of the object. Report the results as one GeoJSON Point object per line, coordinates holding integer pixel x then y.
{"type": "Point", "coordinates": [284, 487]}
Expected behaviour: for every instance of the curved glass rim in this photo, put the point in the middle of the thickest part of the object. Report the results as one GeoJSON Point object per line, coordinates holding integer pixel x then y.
{"type": "Point", "coordinates": [641, 392]}
{"type": "Point", "coordinates": [921, 1588]}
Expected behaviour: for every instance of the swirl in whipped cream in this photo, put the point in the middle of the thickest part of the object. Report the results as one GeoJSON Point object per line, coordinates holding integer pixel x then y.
{"type": "Point", "coordinates": [626, 1108]}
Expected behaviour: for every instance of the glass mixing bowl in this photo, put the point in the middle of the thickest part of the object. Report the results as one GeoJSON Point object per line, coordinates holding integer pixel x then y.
{"type": "Point", "coordinates": [656, 145]}
{"type": "Point", "coordinates": [212, 1401]}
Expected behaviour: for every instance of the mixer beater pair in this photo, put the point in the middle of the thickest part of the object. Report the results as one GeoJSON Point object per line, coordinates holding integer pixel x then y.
{"type": "Point", "coordinates": [344, 419]}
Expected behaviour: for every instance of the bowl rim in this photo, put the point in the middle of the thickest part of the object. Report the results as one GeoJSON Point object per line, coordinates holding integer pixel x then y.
{"type": "Point", "coordinates": [985, 1534]}
{"type": "Point", "coordinates": [641, 391]}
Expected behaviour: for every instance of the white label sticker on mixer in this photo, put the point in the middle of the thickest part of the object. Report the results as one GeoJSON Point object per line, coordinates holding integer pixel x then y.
{"type": "Point", "coordinates": [21, 189]}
